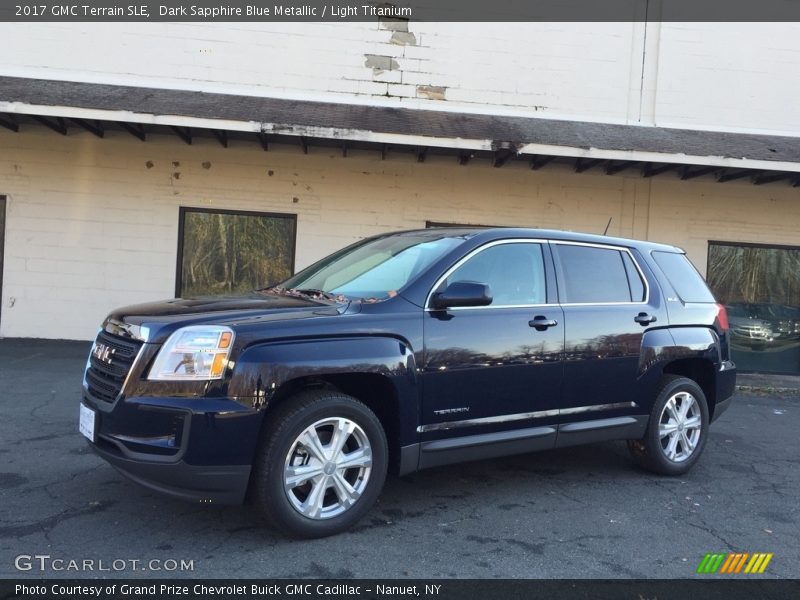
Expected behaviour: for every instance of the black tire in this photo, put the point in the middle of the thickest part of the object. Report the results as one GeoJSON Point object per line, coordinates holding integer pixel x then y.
{"type": "Point", "coordinates": [278, 438]}
{"type": "Point", "coordinates": [650, 451]}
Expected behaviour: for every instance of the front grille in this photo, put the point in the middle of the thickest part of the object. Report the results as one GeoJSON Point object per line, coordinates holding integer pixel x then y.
{"type": "Point", "coordinates": [107, 372]}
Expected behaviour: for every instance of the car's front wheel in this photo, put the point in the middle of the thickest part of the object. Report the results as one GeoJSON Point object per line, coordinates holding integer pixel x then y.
{"type": "Point", "coordinates": [321, 464]}
{"type": "Point", "coordinates": [677, 431]}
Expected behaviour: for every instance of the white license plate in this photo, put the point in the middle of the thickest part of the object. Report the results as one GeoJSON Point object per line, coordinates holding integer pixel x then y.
{"type": "Point", "coordinates": [87, 421]}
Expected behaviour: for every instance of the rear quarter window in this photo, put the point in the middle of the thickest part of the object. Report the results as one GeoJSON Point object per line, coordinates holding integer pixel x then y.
{"type": "Point", "coordinates": [684, 278]}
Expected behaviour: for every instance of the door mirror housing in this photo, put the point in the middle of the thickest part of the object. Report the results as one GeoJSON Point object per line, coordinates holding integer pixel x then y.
{"type": "Point", "coordinates": [462, 293]}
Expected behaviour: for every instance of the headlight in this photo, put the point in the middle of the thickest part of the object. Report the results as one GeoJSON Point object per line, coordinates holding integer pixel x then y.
{"type": "Point", "coordinates": [195, 352]}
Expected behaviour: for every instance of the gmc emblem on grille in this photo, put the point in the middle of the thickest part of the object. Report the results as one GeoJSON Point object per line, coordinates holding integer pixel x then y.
{"type": "Point", "coordinates": [103, 353]}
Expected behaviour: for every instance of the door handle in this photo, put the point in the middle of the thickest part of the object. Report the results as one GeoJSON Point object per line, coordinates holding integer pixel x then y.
{"type": "Point", "coordinates": [644, 319]}
{"type": "Point", "coordinates": [540, 323]}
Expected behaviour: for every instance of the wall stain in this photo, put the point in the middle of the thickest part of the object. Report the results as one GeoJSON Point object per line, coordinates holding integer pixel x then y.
{"type": "Point", "coordinates": [404, 38]}
{"type": "Point", "coordinates": [379, 63]}
{"type": "Point", "coordinates": [432, 92]}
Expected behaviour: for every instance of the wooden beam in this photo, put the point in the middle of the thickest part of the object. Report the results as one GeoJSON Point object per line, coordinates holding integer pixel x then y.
{"type": "Point", "coordinates": [762, 179]}
{"type": "Point", "coordinates": [94, 128]}
{"type": "Point", "coordinates": [263, 139]}
{"type": "Point", "coordinates": [584, 164]}
{"type": "Point", "coordinates": [344, 148]}
{"type": "Point", "coordinates": [185, 133]}
{"type": "Point", "coordinates": [8, 122]}
{"type": "Point", "coordinates": [730, 175]}
{"type": "Point", "coordinates": [384, 150]}
{"type": "Point", "coordinates": [222, 136]}
{"type": "Point", "coordinates": [502, 156]}
{"type": "Point", "coordinates": [648, 170]}
{"type": "Point", "coordinates": [135, 129]}
{"type": "Point", "coordinates": [537, 162]}
{"type": "Point", "coordinates": [613, 167]}
{"type": "Point", "coordinates": [304, 144]}
{"type": "Point", "coordinates": [58, 125]}
{"type": "Point", "coordinates": [688, 173]}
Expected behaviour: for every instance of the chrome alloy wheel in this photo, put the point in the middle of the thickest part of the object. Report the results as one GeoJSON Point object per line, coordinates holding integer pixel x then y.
{"type": "Point", "coordinates": [327, 468]}
{"type": "Point", "coordinates": [680, 426]}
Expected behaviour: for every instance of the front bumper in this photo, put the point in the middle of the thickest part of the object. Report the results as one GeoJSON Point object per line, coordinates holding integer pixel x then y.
{"type": "Point", "coordinates": [195, 449]}
{"type": "Point", "coordinates": [225, 484]}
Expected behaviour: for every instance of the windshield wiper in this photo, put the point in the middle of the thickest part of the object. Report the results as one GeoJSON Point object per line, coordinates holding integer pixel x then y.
{"type": "Point", "coordinates": [318, 294]}
{"type": "Point", "coordinates": [305, 292]}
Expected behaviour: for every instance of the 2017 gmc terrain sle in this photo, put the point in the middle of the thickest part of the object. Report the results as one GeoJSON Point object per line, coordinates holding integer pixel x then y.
{"type": "Point", "coordinates": [406, 351]}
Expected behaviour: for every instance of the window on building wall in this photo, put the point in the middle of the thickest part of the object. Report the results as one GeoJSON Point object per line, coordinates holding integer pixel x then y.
{"type": "Point", "coordinates": [760, 286]}
{"type": "Point", "coordinates": [227, 252]}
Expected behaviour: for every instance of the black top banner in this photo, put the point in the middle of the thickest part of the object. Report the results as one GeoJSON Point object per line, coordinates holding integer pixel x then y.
{"type": "Point", "coordinates": [103, 11]}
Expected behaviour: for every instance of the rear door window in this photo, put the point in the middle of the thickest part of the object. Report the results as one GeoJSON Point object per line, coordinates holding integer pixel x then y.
{"type": "Point", "coordinates": [634, 278]}
{"type": "Point", "coordinates": [592, 275]}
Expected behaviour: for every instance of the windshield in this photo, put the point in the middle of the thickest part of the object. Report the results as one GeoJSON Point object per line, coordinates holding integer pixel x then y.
{"type": "Point", "coordinates": [375, 269]}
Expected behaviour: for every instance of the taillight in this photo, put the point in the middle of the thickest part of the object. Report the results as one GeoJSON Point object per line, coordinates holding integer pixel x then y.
{"type": "Point", "coordinates": [722, 317]}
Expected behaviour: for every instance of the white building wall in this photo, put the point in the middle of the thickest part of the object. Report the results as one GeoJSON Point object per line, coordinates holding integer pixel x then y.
{"type": "Point", "coordinates": [731, 76]}
{"type": "Point", "coordinates": [93, 224]}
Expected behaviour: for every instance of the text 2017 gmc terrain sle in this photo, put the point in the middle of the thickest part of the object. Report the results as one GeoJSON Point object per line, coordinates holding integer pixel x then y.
{"type": "Point", "coordinates": [407, 351]}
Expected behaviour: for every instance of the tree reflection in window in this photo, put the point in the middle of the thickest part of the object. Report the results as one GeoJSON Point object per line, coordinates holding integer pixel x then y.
{"type": "Point", "coordinates": [226, 252]}
{"type": "Point", "coordinates": [760, 286]}
{"type": "Point", "coordinates": [754, 273]}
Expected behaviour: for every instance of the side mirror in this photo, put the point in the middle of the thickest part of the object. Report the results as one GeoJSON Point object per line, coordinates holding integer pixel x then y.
{"type": "Point", "coordinates": [463, 293]}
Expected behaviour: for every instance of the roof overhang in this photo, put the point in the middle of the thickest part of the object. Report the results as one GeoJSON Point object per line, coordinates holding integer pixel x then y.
{"type": "Point", "coordinates": [730, 155]}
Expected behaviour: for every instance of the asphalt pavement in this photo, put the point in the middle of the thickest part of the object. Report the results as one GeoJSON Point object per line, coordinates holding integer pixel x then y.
{"type": "Point", "coordinates": [584, 512]}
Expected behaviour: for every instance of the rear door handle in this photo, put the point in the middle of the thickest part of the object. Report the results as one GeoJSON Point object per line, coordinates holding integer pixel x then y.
{"type": "Point", "coordinates": [644, 319]}
{"type": "Point", "coordinates": [540, 323]}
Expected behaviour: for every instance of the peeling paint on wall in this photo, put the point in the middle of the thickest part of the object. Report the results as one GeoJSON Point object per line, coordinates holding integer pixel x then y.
{"type": "Point", "coordinates": [404, 38]}
{"type": "Point", "coordinates": [380, 63]}
{"type": "Point", "coordinates": [432, 92]}
{"type": "Point", "coordinates": [394, 24]}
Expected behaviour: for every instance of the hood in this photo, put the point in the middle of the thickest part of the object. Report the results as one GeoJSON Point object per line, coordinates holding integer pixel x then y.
{"type": "Point", "coordinates": [163, 317]}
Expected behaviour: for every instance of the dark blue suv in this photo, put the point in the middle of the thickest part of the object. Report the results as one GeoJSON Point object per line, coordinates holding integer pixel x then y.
{"type": "Point", "coordinates": [406, 351]}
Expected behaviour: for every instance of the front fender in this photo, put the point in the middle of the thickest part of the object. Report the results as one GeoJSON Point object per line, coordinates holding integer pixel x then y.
{"type": "Point", "coordinates": [262, 369]}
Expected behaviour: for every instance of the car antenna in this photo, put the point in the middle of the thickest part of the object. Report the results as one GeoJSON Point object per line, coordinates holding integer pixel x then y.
{"type": "Point", "coordinates": [608, 225]}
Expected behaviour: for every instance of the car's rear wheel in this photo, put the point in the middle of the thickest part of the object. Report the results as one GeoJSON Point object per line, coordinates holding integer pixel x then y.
{"type": "Point", "coordinates": [677, 430]}
{"type": "Point", "coordinates": [321, 464]}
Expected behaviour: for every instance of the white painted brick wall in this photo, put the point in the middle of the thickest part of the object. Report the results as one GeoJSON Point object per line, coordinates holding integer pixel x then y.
{"type": "Point", "coordinates": [90, 226]}
{"type": "Point", "coordinates": [729, 75]}
{"type": "Point", "coordinates": [733, 76]}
